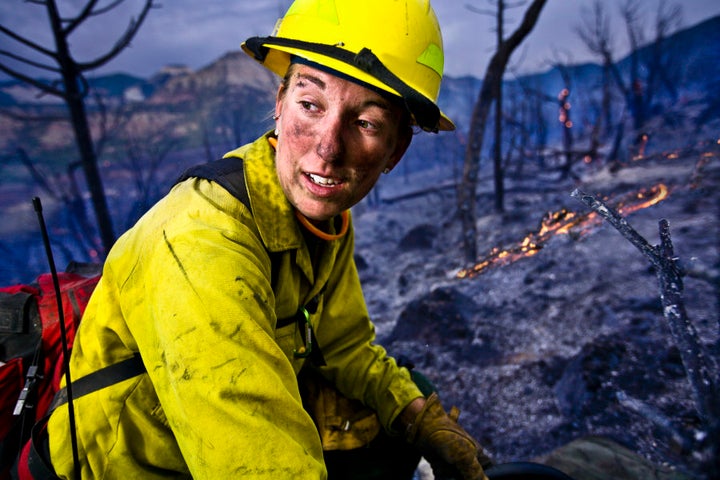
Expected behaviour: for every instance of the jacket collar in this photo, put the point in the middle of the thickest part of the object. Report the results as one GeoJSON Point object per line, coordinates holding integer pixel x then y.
{"type": "Point", "coordinates": [274, 214]}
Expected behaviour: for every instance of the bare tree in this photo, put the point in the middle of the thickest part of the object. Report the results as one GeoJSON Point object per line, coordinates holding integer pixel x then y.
{"type": "Point", "coordinates": [595, 33]}
{"type": "Point", "coordinates": [633, 90]}
{"type": "Point", "coordinates": [499, 173]}
{"type": "Point", "coordinates": [518, 119]}
{"type": "Point", "coordinates": [668, 19]}
{"type": "Point", "coordinates": [535, 122]}
{"type": "Point", "coordinates": [148, 140]}
{"type": "Point", "coordinates": [65, 190]}
{"type": "Point", "coordinates": [637, 88]}
{"type": "Point", "coordinates": [71, 85]}
{"type": "Point", "coordinates": [489, 92]}
{"type": "Point", "coordinates": [566, 123]}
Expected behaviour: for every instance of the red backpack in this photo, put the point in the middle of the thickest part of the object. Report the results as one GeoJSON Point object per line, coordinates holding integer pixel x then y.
{"type": "Point", "coordinates": [31, 354]}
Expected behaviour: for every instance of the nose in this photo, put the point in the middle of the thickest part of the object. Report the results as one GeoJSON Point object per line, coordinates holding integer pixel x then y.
{"type": "Point", "coordinates": [331, 146]}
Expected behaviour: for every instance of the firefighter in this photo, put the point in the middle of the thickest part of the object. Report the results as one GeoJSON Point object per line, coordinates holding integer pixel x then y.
{"type": "Point", "coordinates": [244, 304]}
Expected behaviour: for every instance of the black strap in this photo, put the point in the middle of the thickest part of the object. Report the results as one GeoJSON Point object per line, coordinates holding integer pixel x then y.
{"type": "Point", "coordinates": [426, 113]}
{"type": "Point", "coordinates": [99, 379]}
{"type": "Point", "coordinates": [227, 172]}
{"type": "Point", "coordinates": [38, 461]}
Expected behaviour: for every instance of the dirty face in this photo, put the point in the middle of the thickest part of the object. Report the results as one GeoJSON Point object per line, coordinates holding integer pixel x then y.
{"type": "Point", "coordinates": [335, 138]}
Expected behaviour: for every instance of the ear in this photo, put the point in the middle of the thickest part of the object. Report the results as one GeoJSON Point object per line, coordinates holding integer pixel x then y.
{"type": "Point", "coordinates": [279, 99]}
{"type": "Point", "coordinates": [402, 145]}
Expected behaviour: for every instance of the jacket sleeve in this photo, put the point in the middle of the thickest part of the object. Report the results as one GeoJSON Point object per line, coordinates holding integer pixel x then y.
{"type": "Point", "coordinates": [358, 367]}
{"type": "Point", "coordinates": [200, 305]}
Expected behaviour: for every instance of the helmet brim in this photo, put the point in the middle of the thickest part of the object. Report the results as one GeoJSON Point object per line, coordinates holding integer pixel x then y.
{"type": "Point", "coordinates": [277, 59]}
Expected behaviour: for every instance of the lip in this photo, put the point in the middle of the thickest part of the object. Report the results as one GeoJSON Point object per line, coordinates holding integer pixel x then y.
{"type": "Point", "coordinates": [322, 189]}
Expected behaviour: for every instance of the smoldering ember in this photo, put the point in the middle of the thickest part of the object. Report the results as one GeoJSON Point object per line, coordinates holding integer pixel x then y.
{"type": "Point", "coordinates": [556, 334]}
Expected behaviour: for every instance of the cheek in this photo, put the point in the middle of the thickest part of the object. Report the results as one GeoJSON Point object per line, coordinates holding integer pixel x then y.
{"type": "Point", "coordinates": [295, 140]}
{"type": "Point", "coordinates": [366, 176]}
{"type": "Point", "coordinates": [374, 159]}
{"type": "Point", "coordinates": [367, 171]}
{"type": "Point", "coordinates": [284, 165]}
{"type": "Point", "coordinates": [295, 127]}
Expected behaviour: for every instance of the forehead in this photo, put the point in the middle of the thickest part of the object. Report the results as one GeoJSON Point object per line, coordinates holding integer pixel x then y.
{"type": "Point", "coordinates": [305, 76]}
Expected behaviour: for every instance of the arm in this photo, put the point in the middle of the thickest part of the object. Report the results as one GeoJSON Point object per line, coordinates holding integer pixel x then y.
{"type": "Point", "coordinates": [358, 367]}
{"type": "Point", "coordinates": [204, 326]}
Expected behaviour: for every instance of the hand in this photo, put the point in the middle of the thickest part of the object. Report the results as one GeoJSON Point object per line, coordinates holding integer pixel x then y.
{"type": "Point", "coordinates": [449, 449]}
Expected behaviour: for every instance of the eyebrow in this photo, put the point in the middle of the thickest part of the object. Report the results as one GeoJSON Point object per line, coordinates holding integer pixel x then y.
{"type": "Point", "coordinates": [313, 79]}
{"type": "Point", "coordinates": [382, 103]}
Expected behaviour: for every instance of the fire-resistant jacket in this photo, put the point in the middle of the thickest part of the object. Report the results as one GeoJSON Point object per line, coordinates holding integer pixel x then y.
{"type": "Point", "coordinates": [196, 287]}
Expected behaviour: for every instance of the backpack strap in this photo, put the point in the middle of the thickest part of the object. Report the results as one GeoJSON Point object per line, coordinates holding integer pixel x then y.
{"type": "Point", "coordinates": [99, 379]}
{"type": "Point", "coordinates": [227, 172]}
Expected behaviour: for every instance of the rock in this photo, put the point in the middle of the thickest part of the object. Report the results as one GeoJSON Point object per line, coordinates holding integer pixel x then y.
{"type": "Point", "coordinates": [438, 321]}
{"type": "Point", "coordinates": [420, 237]}
{"type": "Point", "coordinates": [598, 458]}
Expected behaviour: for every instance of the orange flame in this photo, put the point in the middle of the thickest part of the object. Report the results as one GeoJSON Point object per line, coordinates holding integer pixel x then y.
{"type": "Point", "coordinates": [563, 222]}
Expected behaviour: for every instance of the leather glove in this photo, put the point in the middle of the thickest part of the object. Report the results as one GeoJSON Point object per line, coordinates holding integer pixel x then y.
{"type": "Point", "coordinates": [450, 450]}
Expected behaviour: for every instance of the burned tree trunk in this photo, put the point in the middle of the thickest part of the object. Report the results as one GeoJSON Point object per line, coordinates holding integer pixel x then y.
{"type": "Point", "coordinates": [498, 168]}
{"type": "Point", "coordinates": [488, 91]}
{"type": "Point", "coordinates": [701, 373]}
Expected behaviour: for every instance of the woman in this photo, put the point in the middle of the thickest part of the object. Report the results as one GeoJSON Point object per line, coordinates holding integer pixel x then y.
{"type": "Point", "coordinates": [201, 287]}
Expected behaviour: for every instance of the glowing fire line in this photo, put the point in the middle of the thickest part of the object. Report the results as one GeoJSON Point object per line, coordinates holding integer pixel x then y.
{"type": "Point", "coordinates": [563, 222]}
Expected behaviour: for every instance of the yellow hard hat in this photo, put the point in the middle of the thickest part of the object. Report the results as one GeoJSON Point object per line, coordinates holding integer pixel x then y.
{"type": "Point", "coordinates": [393, 45]}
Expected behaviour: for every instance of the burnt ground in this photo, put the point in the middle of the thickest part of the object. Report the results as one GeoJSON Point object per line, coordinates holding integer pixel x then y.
{"type": "Point", "coordinates": [571, 341]}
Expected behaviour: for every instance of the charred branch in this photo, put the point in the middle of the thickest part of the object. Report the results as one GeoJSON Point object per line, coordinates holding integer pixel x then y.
{"type": "Point", "coordinates": [28, 62]}
{"type": "Point", "coordinates": [654, 416]}
{"type": "Point", "coordinates": [700, 372]}
{"type": "Point", "coordinates": [88, 11]}
{"type": "Point", "coordinates": [24, 41]}
{"type": "Point", "coordinates": [122, 42]}
{"type": "Point", "coordinates": [44, 87]}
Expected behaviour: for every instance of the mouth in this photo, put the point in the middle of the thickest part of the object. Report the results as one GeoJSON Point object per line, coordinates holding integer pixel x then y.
{"type": "Point", "coordinates": [324, 181]}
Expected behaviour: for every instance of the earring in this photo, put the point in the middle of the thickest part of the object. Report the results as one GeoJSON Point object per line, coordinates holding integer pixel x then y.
{"type": "Point", "coordinates": [275, 118]}
{"type": "Point", "coordinates": [386, 171]}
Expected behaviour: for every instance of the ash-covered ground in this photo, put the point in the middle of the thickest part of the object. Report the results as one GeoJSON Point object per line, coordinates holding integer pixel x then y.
{"type": "Point", "coordinates": [568, 342]}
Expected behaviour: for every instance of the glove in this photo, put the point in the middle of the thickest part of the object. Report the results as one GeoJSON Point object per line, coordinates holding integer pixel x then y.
{"type": "Point", "coordinates": [450, 450]}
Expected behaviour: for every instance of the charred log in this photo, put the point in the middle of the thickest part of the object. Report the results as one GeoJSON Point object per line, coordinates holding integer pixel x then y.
{"type": "Point", "coordinates": [699, 369]}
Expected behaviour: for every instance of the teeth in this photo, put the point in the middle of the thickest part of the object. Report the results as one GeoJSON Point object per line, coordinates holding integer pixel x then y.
{"type": "Point", "coordinates": [322, 180]}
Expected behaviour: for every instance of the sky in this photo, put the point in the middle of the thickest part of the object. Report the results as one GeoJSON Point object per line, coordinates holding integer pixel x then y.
{"type": "Point", "coordinates": [195, 33]}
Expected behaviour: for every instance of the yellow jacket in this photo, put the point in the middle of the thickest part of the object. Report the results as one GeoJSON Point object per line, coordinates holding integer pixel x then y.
{"type": "Point", "coordinates": [189, 287]}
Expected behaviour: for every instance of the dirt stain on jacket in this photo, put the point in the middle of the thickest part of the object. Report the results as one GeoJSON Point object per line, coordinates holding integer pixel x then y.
{"type": "Point", "coordinates": [177, 259]}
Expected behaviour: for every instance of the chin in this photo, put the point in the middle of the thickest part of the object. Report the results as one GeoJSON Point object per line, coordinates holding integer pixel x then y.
{"type": "Point", "coordinates": [319, 217]}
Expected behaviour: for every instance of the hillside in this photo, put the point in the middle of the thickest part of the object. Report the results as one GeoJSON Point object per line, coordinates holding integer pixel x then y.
{"type": "Point", "coordinates": [233, 90]}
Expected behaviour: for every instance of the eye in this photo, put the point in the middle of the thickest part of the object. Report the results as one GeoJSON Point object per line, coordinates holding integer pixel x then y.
{"type": "Point", "coordinates": [309, 106]}
{"type": "Point", "coordinates": [366, 125]}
